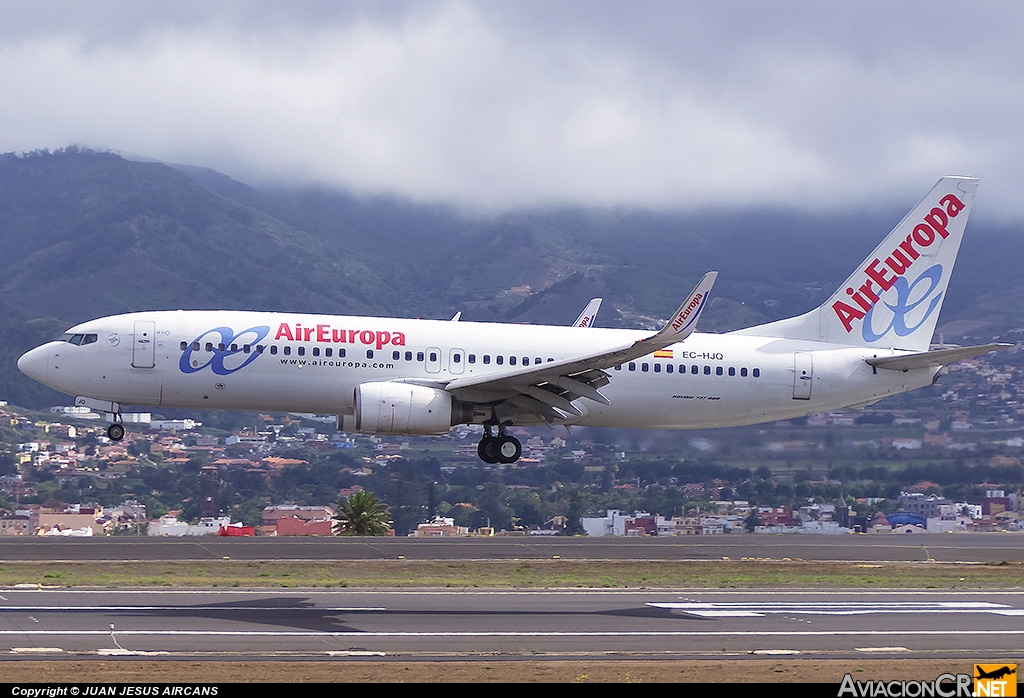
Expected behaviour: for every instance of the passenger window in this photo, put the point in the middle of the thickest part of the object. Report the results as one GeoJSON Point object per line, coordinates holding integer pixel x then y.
{"type": "Point", "coordinates": [457, 358]}
{"type": "Point", "coordinates": [632, 365]}
{"type": "Point", "coordinates": [316, 351]}
{"type": "Point", "coordinates": [757, 373]}
{"type": "Point", "coordinates": [511, 361]}
{"type": "Point", "coordinates": [408, 356]}
{"type": "Point", "coordinates": [499, 359]}
{"type": "Point", "coordinates": [743, 372]}
{"type": "Point", "coordinates": [472, 358]}
{"type": "Point", "coordinates": [668, 368]}
{"type": "Point", "coordinates": [195, 346]}
{"type": "Point", "coordinates": [619, 367]}
{"type": "Point", "coordinates": [287, 350]}
{"type": "Point", "coordinates": [732, 370]}
{"type": "Point", "coordinates": [644, 366]}
{"type": "Point", "coordinates": [184, 345]}
{"type": "Point", "coordinates": [246, 348]}
{"type": "Point", "coordinates": [369, 354]}
{"type": "Point", "coordinates": [433, 355]}
{"type": "Point", "coordinates": [234, 348]}
{"type": "Point", "coordinates": [302, 351]}
{"type": "Point", "coordinates": [657, 368]}
{"type": "Point", "coordinates": [273, 349]}
{"type": "Point", "coordinates": [694, 369]}
{"type": "Point", "coordinates": [419, 356]}
{"type": "Point", "coordinates": [209, 346]}
{"type": "Point", "coordinates": [487, 359]}
{"type": "Point", "coordinates": [260, 348]}
{"type": "Point", "coordinates": [220, 347]}
{"type": "Point", "coordinates": [707, 370]}
{"type": "Point", "coordinates": [396, 355]}
{"type": "Point", "coordinates": [718, 370]}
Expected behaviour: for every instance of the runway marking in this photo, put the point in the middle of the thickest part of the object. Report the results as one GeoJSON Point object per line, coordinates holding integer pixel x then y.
{"type": "Point", "coordinates": [881, 649]}
{"type": "Point", "coordinates": [710, 609]}
{"type": "Point", "coordinates": [504, 633]}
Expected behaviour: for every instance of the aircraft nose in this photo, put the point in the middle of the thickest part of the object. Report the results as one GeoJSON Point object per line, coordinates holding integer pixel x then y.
{"type": "Point", "coordinates": [34, 363]}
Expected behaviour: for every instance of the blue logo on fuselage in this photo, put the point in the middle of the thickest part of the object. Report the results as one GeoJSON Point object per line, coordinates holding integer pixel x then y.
{"type": "Point", "coordinates": [223, 361]}
{"type": "Point", "coordinates": [904, 305]}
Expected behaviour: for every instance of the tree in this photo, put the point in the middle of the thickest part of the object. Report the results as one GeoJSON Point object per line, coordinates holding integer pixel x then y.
{"type": "Point", "coordinates": [363, 514]}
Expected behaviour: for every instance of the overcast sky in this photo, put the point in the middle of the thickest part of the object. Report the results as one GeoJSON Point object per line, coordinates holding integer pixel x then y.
{"type": "Point", "coordinates": [497, 104]}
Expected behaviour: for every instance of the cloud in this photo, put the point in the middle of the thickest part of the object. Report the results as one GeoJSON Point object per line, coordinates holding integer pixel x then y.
{"type": "Point", "coordinates": [493, 105]}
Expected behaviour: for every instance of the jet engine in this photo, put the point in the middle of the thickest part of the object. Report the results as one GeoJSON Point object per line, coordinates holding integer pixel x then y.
{"type": "Point", "coordinates": [403, 408]}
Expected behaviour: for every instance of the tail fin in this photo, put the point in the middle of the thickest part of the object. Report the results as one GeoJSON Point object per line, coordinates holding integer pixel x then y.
{"type": "Point", "coordinates": [893, 298]}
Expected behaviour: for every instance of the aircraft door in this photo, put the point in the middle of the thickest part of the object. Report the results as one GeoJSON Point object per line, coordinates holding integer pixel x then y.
{"type": "Point", "coordinates": [144, 344]}
{"type": "Point", "coordinates": [803, 376]}
{"type": "Point", "coordinates": [432, 362]}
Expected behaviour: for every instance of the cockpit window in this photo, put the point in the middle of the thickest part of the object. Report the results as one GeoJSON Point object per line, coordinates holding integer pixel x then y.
{"type": "Point", "coordinates": [78, 339]}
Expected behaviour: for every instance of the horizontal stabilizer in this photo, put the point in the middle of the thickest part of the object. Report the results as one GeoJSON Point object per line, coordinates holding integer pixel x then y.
{"type": "Point", "coordinates": [933, 359]}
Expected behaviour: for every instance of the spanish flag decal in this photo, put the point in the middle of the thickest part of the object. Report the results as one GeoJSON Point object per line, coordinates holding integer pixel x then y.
{"type": "Point", "coordinates": [663, 354]}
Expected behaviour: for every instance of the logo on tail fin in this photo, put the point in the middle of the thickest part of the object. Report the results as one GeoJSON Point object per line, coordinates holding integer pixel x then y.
{"type": "Point", "coordinates": [906, 303]}
{"type": "Point", "coordinates": [882, 275]}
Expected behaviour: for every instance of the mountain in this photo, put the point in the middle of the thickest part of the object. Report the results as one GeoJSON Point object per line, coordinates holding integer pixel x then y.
{"type": "Point", "coordinates": [85, 234]}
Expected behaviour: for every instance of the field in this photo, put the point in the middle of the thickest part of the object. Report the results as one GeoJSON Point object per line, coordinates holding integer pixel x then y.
{"type": "Point", "coordinates": [530, 574]}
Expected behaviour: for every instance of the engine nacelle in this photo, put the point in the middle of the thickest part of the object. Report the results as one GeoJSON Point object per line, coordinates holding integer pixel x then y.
{"type": "Point", "coordinates": [402, 408]}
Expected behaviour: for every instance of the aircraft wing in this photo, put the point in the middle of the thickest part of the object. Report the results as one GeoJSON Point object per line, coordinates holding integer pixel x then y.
{"type": "Point", "coordinates": [933, 359]}
{"type": "Point", "coordinates": [545, 388]}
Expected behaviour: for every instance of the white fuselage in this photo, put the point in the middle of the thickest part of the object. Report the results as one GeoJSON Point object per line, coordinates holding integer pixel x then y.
{"type": "Point", "coordinates": [291, 362]}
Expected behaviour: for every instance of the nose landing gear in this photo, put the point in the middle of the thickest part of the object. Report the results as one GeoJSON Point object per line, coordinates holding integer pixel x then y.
{"type": "Point", "coordinates": [115, 432]}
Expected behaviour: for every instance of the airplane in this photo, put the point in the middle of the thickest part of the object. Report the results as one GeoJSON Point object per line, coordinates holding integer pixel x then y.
{"type": "Point", "coordinates": [994, 674]}
{"type": "Point", "coordinates": [396, 376]}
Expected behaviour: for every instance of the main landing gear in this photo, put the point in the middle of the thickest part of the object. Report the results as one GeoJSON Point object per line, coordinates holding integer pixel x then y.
{"type": "Point", "coordinates": [498, 449]}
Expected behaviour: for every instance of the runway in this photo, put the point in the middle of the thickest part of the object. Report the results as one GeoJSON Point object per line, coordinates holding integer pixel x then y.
{"type": "Point", "coordinates": [982, 547]}
{"type": "Point", "coordinates": [286, 624]}
{"type": "Point", "coordinates": [439, 625]}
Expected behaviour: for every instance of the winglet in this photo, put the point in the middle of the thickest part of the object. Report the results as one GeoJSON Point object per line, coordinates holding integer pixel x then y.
{"type": "Point", "coordinates": [684, 320]}
{"type": "Point", "coordinates": [589, 314]}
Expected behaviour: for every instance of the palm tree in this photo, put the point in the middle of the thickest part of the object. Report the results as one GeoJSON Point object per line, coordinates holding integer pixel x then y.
{"type": "Point", "coordinates": [363, 514]}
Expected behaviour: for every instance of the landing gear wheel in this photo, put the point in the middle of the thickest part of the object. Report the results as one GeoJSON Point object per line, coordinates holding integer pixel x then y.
{"type": "Point", "coordinates": [509, 449]}
{"type": "Point", "coordinates": [115, 432]}
{"type": "Point", "coordinates": [487, 449]}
